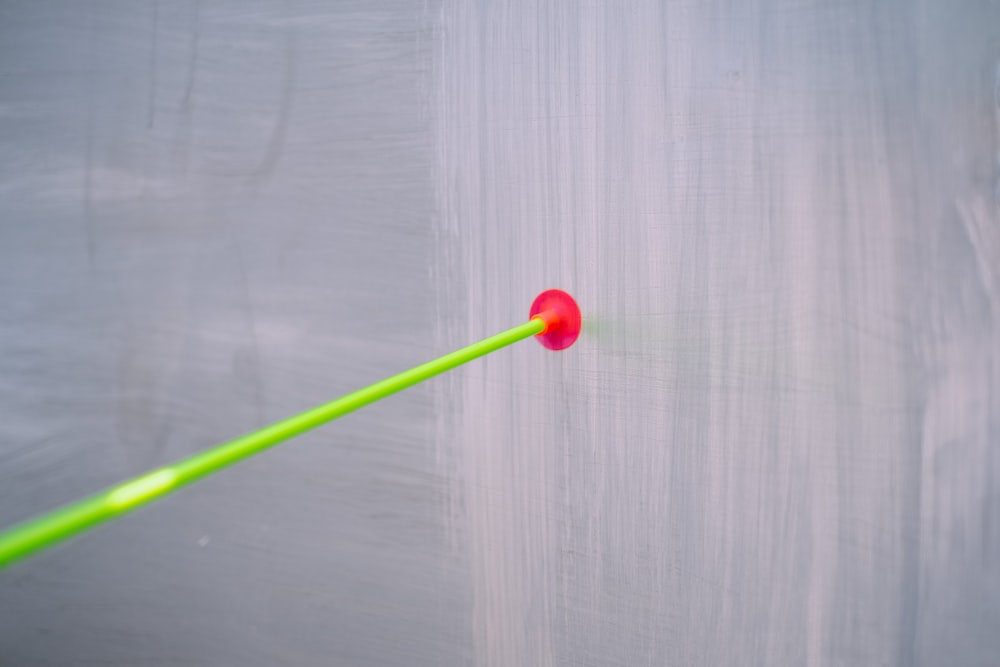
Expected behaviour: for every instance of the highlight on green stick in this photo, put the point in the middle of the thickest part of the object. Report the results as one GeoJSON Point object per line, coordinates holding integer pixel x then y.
{"type": "Point", "coordinates": [554, 320]}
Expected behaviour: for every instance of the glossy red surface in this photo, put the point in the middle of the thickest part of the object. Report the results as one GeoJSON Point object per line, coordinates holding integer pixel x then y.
{"type": "Point", "coordinates": [562, 316]}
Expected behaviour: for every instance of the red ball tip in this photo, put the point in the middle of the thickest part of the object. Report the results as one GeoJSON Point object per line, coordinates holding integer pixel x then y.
{"type": "Point", "coordinates": [561, 316]}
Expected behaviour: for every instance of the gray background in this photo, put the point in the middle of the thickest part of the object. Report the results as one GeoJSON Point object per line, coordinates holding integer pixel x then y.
{"type": "Point", "coordinates": [777, 442]}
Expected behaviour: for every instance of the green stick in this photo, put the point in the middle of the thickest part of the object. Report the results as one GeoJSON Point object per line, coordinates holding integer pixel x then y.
{"type": "Point", "coordinates": [61, 524]}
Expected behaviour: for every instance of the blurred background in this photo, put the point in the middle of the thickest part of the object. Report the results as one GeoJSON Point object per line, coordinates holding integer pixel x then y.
{"type": "Point", "coordinates": [776, 442]}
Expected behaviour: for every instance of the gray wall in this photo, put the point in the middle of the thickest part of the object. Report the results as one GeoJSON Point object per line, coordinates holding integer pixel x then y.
{"type": "Point", "coordinates": [777, 442]}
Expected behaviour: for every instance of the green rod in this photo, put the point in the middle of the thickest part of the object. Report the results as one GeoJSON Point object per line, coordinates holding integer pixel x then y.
{"type": "Point", "coordinates": [49, 529]}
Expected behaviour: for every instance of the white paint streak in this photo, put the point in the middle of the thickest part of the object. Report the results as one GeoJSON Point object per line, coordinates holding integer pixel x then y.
{"type": "Point", "coordinates": [725, 470]}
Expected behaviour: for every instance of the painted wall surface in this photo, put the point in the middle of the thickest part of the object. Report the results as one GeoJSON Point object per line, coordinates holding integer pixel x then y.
{"type": "Point", "coordinates": [777, 442]}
